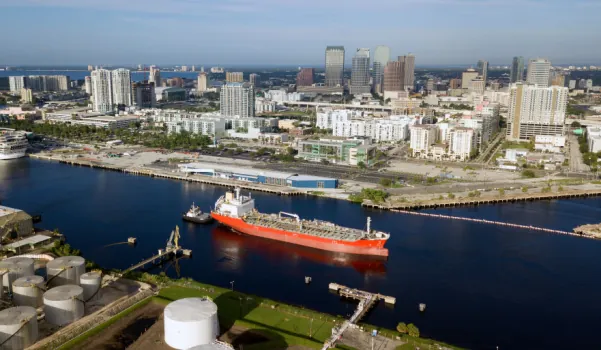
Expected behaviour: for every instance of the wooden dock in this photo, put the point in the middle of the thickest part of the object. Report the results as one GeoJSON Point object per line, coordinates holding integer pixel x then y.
{"type": "Point", "coordinates": [282, 191]}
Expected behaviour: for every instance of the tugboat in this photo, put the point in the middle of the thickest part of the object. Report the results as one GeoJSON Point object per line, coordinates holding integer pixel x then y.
{"type": "Point", "coordinates": [196, 216]}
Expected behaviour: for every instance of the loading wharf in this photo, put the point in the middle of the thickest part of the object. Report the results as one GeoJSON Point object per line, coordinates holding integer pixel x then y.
{"type": "Point", "coordinates": [366, 300]}
{"type": "Point", "coordinates": [92, 163]}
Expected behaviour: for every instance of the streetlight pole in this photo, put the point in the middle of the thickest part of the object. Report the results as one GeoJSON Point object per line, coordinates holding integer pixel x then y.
{"type": "Point", "coordinates": [232, 284]}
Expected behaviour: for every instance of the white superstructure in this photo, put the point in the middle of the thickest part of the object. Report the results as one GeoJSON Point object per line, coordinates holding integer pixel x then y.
{"type": "Point", "coordinates": [12, 145]}
{"type": "Point", "coordinates": [191, 322]}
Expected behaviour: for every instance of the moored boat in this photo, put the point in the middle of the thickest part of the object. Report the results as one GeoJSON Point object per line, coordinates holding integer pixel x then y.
{"type": "Point", "coordinates": [195, 215]}
{"type": "Point", "coordinates": [238, 212]}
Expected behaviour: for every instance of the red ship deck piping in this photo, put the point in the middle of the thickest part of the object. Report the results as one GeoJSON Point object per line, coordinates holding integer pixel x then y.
{"type": "Point", "coordinates": [364, 247]}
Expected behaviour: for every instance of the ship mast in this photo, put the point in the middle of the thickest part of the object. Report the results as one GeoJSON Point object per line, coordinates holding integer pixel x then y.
{"type": "Point", "coordinates": [368, 224]}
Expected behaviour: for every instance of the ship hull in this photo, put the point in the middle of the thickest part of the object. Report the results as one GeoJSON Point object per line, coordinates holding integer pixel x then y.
{"type": "Point", "coordinates": [362, 247]}
{"type": "Point", "coordinates": [4, 156]}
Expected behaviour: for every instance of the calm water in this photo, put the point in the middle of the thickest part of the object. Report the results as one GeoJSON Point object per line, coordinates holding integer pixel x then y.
{"type": "Point", "coordinates": [483, 285]}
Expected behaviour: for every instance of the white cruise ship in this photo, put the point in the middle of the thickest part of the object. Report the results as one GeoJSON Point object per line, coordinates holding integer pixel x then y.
{"type": "Point", "coordinates": [12, 144]}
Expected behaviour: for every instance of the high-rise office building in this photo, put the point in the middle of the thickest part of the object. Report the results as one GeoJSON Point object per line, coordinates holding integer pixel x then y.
{"type": "Point", "coordinates": [16, 83]}
{"type": "Point", "coordinates": [202, 83]}
{"type": "Point", "coordinates": [144, 94]}
{"type": "Point", "coordinates": [483, 70]}
{"type": "Point", "coordinates": [455, 83]}
{"type": "Point", "coordinates": [381, 58]}
{"type": "Point", "coordinates": [26, 95]}
{"type": "Point", "coordinates": [467, 77]}
{"type": "Point", "coordinates": [334, 66]}
{"type": "Point", "coordinates": [234, 77]}
{"type": "Point", "coordinates": [517, 70]}
{"type": "Point", "coordinates": [536, 110]}
{"type": "Point", "coordinates": [154, 76]}
{"type": "Point", "coordinates": [36, 82]}
{"type": "Point", "coordinates": [237, 99]}
{"type": "Point", "coordinates": [254, 79]}
{"type": "Point", "coordinates": [88, 85]}
{"type": "Point", "coordinates": [304, 77]}
{"type": "Point", "coordinates": [393, 79]}
{"type": "Point", "coordinates": [539, 72]}
{"type": "Point", "coordinates": [121, 86]}
{"type": "Point", "coordinates": [360, 72]}
{"type": "Point", "coordinates": [102, 95]}
{"type": "Point", "coordinates": [408, 71]}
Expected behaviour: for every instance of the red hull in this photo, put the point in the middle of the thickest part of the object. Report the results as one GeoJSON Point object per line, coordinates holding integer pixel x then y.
{"type": "Point", "coordinates": [364, 247]}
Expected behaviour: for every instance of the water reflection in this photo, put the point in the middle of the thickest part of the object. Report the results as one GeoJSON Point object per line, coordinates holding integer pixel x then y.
{"type": "Point", "coordinates": [232, 248]}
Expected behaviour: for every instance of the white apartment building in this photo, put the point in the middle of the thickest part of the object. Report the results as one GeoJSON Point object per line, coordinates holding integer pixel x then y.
{"type": "Point", "coordinates": [17, 83]}
{"type": "Point", "coordinates": [281, 96]}
{"type": "Point", "coordinates": [594, 139]}
{"type": "Point", "coordinates": [237, 99]}
{"type": "Point", "coordinates": [88, 85]}
{"type": "Point", "coordinates": [121, 82]}
{"type": "Point", "coordinates": [394, 128]}
{"type": "Point", "coordinates": [102, 88]}
{"type": "Point", "coordinates": [423, 137]}
{"type": "Point", "coordinates": [326, 118]}
{"type": "Point", "coordinates": [263, 105]}
{"type": "Point", "coordinates": [462, 143]}
{"type": "Point", "coordinates": [535, 110]}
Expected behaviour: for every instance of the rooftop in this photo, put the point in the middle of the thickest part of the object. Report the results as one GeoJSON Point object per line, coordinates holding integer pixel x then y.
{"type": "Point", "coordinates": [4, 211]}
{"type": "Point", "coordinates": [33, 240]}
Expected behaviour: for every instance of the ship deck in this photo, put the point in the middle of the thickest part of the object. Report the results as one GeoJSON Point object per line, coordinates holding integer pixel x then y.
{"type": "Point", "coordinates": [315, 228]}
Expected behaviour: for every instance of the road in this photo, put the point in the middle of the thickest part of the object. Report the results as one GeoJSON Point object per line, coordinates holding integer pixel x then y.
{"type": "Point", "coordinates": [576, 164]}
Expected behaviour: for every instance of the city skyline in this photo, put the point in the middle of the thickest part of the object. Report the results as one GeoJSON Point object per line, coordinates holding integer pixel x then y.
{"type": "Point", "coordinates": [249, 29]}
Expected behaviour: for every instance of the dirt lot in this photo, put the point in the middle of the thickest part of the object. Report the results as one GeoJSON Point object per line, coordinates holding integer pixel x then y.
{"type": "Point", "coordinates": [126, 330]}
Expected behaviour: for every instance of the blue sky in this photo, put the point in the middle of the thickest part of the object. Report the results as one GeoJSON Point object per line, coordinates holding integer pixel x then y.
{"type": "Point", "coordinates": [296, 32]}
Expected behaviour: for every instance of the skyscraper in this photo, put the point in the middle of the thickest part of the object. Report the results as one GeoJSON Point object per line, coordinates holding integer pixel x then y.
{"type": "Point", "coordinates": [381, 58]}
{"type": "Point", "coordinates": [121, 82]}
{"type": "Point", "coordinates": [536, 110]}
{"type": "Point", "coordinates": [334, 66]}
{"type": "Point", "coordinates": [483, 70]}
{"type": "Point", "coordinates": [155, 76]}
{"type": "Point", "coordinates": [17, 83]}
{"type": "Point", "coordinates": [88, 85]}
{"type": "Point", "coordinates": [304, 77]}
{"type": "Point", "coordinates": [102, 96]}
{"type": "Point", "coordinates": [234, 77]}
{"type": "Point", "coordinates": [254, 79]}
{"type": "Point", "coordinates": [517, 70]}
{"type": "Point", "coordinates": [393, 79]}
{"type": "Point", "coordinates": [202, 83]}
{"type": "Point", "coordinates": [539, 72]}
{"type": "Point", "coordinates": [408, 71]}
{"type": "Point", "coordinates": [467, 77]}
{"type": "Point", "coordinates": [237, 99]}
{"type": "Point", "coordinates": [360, 72]}
{"type": "Point", "coordinates": [144, 95]}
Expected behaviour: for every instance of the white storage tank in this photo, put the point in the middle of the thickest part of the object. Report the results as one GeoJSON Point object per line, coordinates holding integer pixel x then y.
{"type": "Point", "coordinates": [64, 304]}
{"type": "Point", "coordinates": [90, 282]}
{"type": "Point", "coordinates": [29, 291]}
{"type": "Point", "coordinates": [190, 322]}
{"type": "Point", "coordinates": [213, 346]}
{"type": "Point", "coordinates": [65, 270]}
{"type": "Point", "coordinates": [20, 324]}
{"type": "Point", "coordinates": [17, 267]}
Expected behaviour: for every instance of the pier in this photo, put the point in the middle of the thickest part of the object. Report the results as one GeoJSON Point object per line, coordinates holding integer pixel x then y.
{"type": "Point", "coordinates": [93, 163]}
{"type": "Point", "coordinates": [366, 300]}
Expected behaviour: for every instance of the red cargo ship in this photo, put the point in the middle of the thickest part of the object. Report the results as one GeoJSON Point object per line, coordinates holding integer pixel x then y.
{"type": "Point", "coordinates": [238, 212]}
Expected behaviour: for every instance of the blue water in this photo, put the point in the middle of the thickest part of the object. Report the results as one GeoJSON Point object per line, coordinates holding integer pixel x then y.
{"type": "Point", "coordinates": [484, 286]}
{"type": "Point", "coordinates": [80, 75]}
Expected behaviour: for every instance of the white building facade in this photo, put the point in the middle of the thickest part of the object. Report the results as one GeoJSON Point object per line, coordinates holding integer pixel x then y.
{"type": "Point", "coordinates": [102, 90]}
{"type": "Point", "coordinates": [121, 82]}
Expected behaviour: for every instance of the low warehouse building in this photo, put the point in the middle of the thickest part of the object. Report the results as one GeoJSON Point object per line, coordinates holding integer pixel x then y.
{"type": "Point", "coordinates": [267, 177]}
{"type": "Point", "coordinates": [14, 223]}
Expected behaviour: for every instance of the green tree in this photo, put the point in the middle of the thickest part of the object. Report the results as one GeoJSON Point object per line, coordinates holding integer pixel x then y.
{"type": "Point", "coordinates": [361, 165]}
{"type": "Point", "coordinates": [450, 196]}
{"type": "Point", "coordinates": [501, 191]}
{"type": "Point", "coordinates": [385, 182]}
{"type": "Point", "coordinates": [413, 330]}
{"type": "Point", "coordinates": [525, 189]}
{"type": "Point", "coordinates": [402, 328]}
{"type": "Point", "coordinates": [528, 174]}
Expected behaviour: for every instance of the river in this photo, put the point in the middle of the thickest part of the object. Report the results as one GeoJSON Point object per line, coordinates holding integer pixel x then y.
{"type": "Point", "coordinates": [484, 286]}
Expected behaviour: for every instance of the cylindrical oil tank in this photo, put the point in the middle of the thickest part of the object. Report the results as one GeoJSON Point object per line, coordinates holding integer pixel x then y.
{"type": "Point", "coordinates": [213, 346]}
{"type": "Point", "coordinates": [29, 291]}
{"type": "Point", "coordinates": [64, 304]}
{"type": "Point", "coordinates": [190, 322]}
{"type": "Point", "coordinates": [90, 282]}
{"type": "Point", "coordinates": [20, 324]}
{"type": "Point", "coordinates": [17, 267]}
{"type": "Point", "coordinates": [65, 270]}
